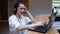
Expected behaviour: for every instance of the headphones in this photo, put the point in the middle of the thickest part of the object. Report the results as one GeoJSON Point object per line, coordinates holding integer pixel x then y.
{"type": "Point", "coordinates": [14, 11]}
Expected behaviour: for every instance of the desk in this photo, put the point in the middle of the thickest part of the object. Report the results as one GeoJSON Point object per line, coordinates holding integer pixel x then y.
{"type": "Point", "coordinates": [44, 18]}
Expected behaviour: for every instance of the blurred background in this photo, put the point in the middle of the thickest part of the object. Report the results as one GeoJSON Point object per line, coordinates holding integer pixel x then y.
{"type": "Point", "coordinates": [36, 7]}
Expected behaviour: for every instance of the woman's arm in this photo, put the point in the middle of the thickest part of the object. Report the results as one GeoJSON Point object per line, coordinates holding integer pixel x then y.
{"type": "Point", "coordinates": [29, 14]}
{"type": "Point", "coordinates": [29, 26]}
{"type": "Point", "coordinates": [26, 26]}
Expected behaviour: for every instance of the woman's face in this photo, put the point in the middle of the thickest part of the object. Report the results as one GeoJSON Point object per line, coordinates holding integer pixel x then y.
{"type": "Point", "coordinates": [21, 8]}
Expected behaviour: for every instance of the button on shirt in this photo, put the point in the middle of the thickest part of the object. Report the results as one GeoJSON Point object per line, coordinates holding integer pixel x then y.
{"type": "Point", "coordinates": [14, 22]}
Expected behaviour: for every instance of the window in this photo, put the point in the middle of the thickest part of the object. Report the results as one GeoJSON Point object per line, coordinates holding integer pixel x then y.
{"type": "Point", "coordinates": [56, 3]}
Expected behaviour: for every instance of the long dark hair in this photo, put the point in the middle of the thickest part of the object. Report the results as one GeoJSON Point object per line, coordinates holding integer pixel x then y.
{"type": "Point", "coordinates": [16, 6]}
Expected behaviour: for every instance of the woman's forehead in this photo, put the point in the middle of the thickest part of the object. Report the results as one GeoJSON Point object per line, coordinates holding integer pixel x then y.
{"type": "Point", "coordinates": [22, 6]}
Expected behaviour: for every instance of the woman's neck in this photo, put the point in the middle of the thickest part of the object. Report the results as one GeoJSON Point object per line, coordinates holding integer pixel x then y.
{"type": "Point", "coordinates": [18, 16]}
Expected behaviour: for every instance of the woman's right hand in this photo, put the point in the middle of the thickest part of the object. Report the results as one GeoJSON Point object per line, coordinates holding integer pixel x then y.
{"type": "Point", "coordinates": [39, 24]}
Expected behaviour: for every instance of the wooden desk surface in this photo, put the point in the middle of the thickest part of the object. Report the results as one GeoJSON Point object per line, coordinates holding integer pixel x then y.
{"type": "Point", "coordinates": [44, 18]}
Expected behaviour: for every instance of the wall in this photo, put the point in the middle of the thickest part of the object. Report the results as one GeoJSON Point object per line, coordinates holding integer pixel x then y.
{"type": "Point", "coordinates": [10, 6]}
{"type": "Point", "coordinates": [37, 7]}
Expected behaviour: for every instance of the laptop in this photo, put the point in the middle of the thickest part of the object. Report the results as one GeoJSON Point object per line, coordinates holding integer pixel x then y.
{"type": "Point", "coordinates": [46, 27]}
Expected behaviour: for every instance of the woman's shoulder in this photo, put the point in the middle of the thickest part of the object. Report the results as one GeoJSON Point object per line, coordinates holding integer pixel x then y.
{"type": "Point", "coordinates": [12, 16]}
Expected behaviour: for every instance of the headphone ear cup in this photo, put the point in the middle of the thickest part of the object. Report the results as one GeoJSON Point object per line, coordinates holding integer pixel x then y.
{"type": "Point", "coordinates": [14, 9]}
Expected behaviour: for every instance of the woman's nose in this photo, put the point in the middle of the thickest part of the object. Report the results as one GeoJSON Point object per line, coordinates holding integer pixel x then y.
{"type": "Point", "coordinates": [23, 10]}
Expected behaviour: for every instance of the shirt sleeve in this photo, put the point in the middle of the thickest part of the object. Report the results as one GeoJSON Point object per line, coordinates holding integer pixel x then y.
{"type": "Point", "coordinates": [13, 23]}
{"type": "Point", "coordinates": [27, 20]}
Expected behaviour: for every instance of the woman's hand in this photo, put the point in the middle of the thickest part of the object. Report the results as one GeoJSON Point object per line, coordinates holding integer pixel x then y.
{"type": "Point", "coordinates": [39, 24]}
{"type": "Point", "coordinates": [29, 14]}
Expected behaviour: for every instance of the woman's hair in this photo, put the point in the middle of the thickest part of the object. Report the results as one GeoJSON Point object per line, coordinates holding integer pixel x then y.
{"type": "Point", "coordinates": [16, 6]}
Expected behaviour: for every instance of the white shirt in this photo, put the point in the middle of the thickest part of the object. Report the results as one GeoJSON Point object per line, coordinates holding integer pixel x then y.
{"type": "Point", "coordinates": [14, 22]}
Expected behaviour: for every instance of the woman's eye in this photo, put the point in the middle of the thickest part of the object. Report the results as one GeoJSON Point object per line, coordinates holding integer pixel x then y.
{"type": "Point", "coordinates": [23, 8]}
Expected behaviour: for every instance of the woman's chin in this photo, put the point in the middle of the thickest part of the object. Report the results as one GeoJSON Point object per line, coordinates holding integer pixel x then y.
{"type": "Point", "coordinates": [24, 13]}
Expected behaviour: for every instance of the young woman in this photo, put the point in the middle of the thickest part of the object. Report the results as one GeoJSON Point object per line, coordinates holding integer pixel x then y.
{"type": "Point", "coordinates": [18, 23]}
